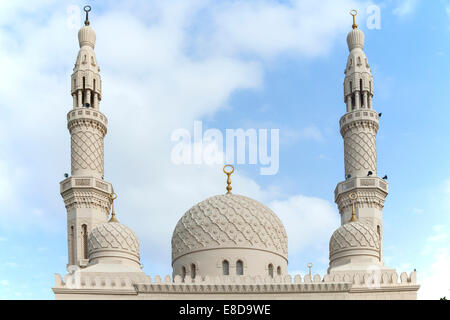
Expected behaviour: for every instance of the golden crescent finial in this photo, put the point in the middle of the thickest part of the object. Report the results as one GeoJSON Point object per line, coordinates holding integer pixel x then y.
{"type": "Point", "coordinates": [87, 9]}
{"type": "Point", "coordinates": [113, 197]}
{"type": "Point", "coordinates": [353, 196]}
{"type": "Point", "coordinates": [228, 173]}
{"type": "Point", "coordinates": [353, 13]}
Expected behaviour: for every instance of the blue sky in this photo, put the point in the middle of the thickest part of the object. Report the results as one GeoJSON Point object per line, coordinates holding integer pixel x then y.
{"type": "Point", "coordinates": [231, 64]}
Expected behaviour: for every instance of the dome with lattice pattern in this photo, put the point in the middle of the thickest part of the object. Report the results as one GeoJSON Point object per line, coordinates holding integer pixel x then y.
{"type": "Point", "coordinates": [354, 237]}
{"type": "Point", "coordinates": [113, 240]}
{"type": "Point", "coordinates": [229, 221]}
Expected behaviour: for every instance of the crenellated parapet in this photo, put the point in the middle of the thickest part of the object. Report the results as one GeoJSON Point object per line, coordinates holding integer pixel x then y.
{"type": "Point", "coordinates": [344, 283]}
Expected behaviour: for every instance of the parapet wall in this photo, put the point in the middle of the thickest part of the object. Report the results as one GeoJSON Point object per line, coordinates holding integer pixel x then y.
{"type": "Point", "coordinates": [296, 287]}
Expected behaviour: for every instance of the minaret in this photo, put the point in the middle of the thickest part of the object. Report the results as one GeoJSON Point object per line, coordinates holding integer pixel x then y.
{"type": "Point", "coordinates": [86, 195]}
{"type": "Point", "coordinates": [359, 126]}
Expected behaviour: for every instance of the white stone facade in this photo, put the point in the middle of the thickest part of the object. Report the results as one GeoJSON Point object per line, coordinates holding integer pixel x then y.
{"type": "Point", "coordinates": [227, 246]}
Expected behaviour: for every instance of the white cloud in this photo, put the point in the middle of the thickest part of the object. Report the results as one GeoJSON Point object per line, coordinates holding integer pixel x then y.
{"type": "Point", "coordinates": [4, 283]}
{"type": "Point", "coordinates": [308, 221]}
{"type": "Point", "coordinates": [405, 7]}
{"type": "Point", "coordinates": [312, 133]}
{"type": "Point", "coordinates": [159, 73]}
{"type": "Point", "coordinates": [435, 280]}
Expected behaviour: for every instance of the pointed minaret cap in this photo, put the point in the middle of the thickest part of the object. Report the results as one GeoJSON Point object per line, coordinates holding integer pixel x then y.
{"type": "Point", "coordinates": [86, 35]}
{"type": "Point", "coordinates": [355, 38]}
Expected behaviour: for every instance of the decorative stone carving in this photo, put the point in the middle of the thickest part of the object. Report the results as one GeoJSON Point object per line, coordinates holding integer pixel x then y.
{"type": "Point", "coordinates": [354, 235]}
{"type": "Point", "coordinates": [87, 151]}
{"type": "Point", "coordinates": [229, 221]}
{"type": "Point", "coordinates": [360, 148]}
{"type": "Point", "coordinates": [113, 235]}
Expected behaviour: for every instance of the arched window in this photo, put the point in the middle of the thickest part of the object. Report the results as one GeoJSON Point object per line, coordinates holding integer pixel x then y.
{"type": "Point", "coordinates": [270, 270]}
{"type": "Point", "coordinates": [183, 272]}
{"type": "Point", "coordinates": [379, 230]}
{"type": "Point", "coordinates": [83, 93]}
{"type": "Point", "coordinates": [84, 241]}
{"type": "Point", "coordinates": [71, 246]}
{"type": "Point", "coordinates": [279, 271]}
{"type": "Point", "coordinates": [239, 268]}
{"type": "Point", "coordinates": [361, 96]}
{"type": "Point", "coordinates": [193, 271]}
{"type": "Point", "coordinates": [225, 268]}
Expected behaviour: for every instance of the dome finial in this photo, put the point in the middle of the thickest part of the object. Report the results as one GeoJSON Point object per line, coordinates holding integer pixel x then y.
{"type": "Point", "coordinates": [309, 265]}
{"type": "Point", "coordinates": [353, 196]}
{"type": "Point", "coordinates": [228, 173]}
{"type": "Point", "coordinates": [353, 13]}
{"type": "Point", "coordinates": [87, 9]}
{"type": "Point", "coordinates": [113, 197]}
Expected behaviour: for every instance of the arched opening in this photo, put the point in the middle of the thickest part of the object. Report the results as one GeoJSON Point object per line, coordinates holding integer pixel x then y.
{"type": "Point", "coordinates": [193, 271]}
{"type": "Point", "coordinates": [225, 268]}
{"type": "Point", "coordinates": [361, 95]}
{"type": "Point", "coordinates": [239, 268]}
{"type": "Point", "coordinates": [92, 95]}
{"type": "Point", "coordinates": [183, 273]}
{"type": "Point", "coordinates": [71, 246]}
{"type": "Point", "coordinates": [83, 92]}
{"type": "Point", "coordinates": [270, 270]}
{"type": "Point", "coordinates": [379, 231]}
{"type": "Point", "coordinates": [84, 241]}
{"type": "Point", "coordinates": [279, 271]}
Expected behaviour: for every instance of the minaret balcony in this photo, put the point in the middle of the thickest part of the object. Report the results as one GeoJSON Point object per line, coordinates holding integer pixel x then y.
{"type": "Point", "coordinates": [352, 184]}
{"type": "Point", "coordinates": [88, 114]}
{"type": "Point", "coordinates": [85, 183]}
{"type": "Point", "coordinates": [359, 114]}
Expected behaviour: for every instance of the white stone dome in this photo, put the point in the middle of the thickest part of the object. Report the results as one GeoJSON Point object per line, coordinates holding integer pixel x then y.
{"type": "Point", "coordinates": [113, 240]}
{"type": "Point", "coordinates": [355, 39]}
{"type": "Point", "coordinates": [229, 235]}
{"type": "Point", "coordinates": [86, 36]}
{"type": "Point", "coordinates": [229, 221]}
{"type": "Point", "coordinates": [354, 239]}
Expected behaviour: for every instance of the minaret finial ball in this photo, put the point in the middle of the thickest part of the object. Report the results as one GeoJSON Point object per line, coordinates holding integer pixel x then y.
{"type": "Point", "coordinates": [87, 9]}
{"type": "Point", "coordinates": [228, 173]}
{"type": "Point", "coordinates": [353, 13]}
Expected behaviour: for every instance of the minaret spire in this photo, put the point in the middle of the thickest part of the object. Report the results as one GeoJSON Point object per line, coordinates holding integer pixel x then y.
{"type": "Point", "coordinates": [353, 13]}
{"type": "Point", "coordinates": [359, 126]}
{"type": "Point", "coordinates": [86, 194]}
{"type": "Point", "coordinates": [87, 9]}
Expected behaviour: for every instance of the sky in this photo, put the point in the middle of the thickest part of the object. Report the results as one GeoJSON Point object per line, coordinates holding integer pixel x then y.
{"type": "Point", "coordinates": [230, 64]}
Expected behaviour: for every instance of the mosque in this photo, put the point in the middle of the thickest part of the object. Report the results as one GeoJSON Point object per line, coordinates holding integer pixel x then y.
{"type": "Point", "coordinates": [228, 246]}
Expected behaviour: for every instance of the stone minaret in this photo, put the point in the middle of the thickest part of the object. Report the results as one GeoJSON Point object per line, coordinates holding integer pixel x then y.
{"type": "Point", "coordinates": [359, 126]}
{"type": "Point", "coordinates": [86, 195]}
